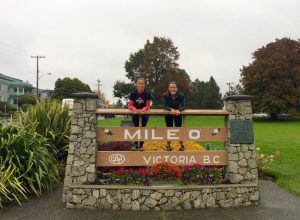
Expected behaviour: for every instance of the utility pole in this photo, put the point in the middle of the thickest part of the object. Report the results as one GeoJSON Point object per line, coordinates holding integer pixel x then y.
{"type": "Point", "coordinates": [99, 81]}
{"type": "Point", "coordinates": [37, 73]}
{"type": "Point", "coordinates": [229, 86]}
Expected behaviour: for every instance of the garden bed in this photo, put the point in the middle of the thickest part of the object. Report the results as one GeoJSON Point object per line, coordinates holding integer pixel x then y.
{"type": "Point", "coordinates": [161, 172]}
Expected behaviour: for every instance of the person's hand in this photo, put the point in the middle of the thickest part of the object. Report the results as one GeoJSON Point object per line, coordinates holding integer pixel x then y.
{"type": "Point", "coordinates": [177, 112]}
{"type": "Point", "coordinates": [144, 110]}
{"type": "Point", "coordinates": [173, 111]}
{"type": "Point", "coordinates": [134, 110]}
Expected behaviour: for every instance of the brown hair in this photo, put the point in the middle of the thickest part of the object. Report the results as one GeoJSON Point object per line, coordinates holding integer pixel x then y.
{"type": "Point", "coordinates": [167, 93]}
{"type": "Point", "coordinates": [141, 78]}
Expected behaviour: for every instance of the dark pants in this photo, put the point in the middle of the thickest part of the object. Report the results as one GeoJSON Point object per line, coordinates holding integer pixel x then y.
{"type": "Point", "coordinates": [176, 118]}
{"type": "Point", "coordinates": [135, 120]}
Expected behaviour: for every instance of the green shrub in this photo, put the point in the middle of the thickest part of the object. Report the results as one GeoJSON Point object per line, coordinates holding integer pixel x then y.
{"type": "Point", "coordinates": [52, 121]}
{"type": "Point", "coordinates": [4, 106]}
{"type": "Point", "coordinates": [11, 189]}
{"type": "Point", "coordinates": [30, 154]}
{"type": "Point", "coordinates": [25, 107]}
{"type": "Point", "coordinates": [27, 98]}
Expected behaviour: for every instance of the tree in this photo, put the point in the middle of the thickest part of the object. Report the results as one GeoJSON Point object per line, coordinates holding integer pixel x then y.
{"type": "Point", "coordinates": [212, 98]}
{"type": "Point", "coordinates": [234, 89]}
{"type": "Point", "coordinates": [122, 89]}
{"type": "Point", "coordinates": [27, 98]}
{"type": "Point", "coordinates": [100, 94]}
{"type": "Point", "coordinates": [206, 94]}
{"type": "Point", "coordinates": [119, 104]}
{"type": "Point", "coordinates": [183, 82]}
{"type": "Point", "coordinates": [65, 87]}
{"type": "Point", "coordinates": [273, 78]}
{"type": "Point", "coordinates": [155, 60]}
{"type": "Point", "coordinates": [197, 88]}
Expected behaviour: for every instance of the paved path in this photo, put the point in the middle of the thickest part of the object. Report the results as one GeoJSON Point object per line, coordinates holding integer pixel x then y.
{"type": "Point", "coordinates": [276, 203]}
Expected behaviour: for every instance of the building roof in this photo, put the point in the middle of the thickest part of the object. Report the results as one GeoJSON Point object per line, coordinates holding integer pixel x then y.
{"type": "Point", "coordinates": [13, 82]}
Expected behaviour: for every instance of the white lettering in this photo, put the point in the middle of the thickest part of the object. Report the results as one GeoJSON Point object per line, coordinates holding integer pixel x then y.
{"type": "Point", "coordinates": [146, 134]}
{"type": "Point", "coordinates": [158, 159]}
{"type": "Point", "coordinates": [147, 160]}
{"type": "Point", "coordinates": [194, 134]}
{"type": "Point", "coordinates": [216, 159]}
{"type": "Point", "coordinates": [173, 159]}
{"type": "Point", "coordinates": [128, 135]}
{"type": "Point", "coordinates": [116, 159]}
{"type": "Point", "coordinates": [181, 159]}
{"type": "Point", "coordinates": [171, 134]}
{"type": "Point", "coordinates": [153, 136]}
{"type": "Point", "coordinates": [192, 160]}
{"type": "Point", "coordinates": [166, 158]}
{"type": "Point", "coordinates": [206, 159]}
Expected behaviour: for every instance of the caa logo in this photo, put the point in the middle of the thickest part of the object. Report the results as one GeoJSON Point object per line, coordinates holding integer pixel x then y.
{"type": "Point", "coordinates": [116, 159]}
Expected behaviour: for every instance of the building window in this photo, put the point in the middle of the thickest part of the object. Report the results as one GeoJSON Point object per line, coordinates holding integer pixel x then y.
{"type": "Point", "coordinates": [15, 101]}
{"type": "Point", "coordinates": [15, 89]}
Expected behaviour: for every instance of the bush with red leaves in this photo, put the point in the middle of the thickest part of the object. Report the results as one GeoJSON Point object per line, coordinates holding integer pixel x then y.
{"type": "Point", "coordinates": [166, 171]}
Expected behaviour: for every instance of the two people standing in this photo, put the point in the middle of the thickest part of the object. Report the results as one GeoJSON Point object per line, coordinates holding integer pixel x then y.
{"type": "Point", "coordinates": [173, 102]}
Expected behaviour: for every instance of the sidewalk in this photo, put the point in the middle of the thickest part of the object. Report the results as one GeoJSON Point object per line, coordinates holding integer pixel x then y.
{"type": "Point", "coordinates": [276, 203]}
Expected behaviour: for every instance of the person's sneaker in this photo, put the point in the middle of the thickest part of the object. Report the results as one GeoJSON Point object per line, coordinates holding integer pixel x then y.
{"type": "Point", "coordinates": [141, 149]}
{"type": "Point", "coordinates": [169, 148]}
{"type": "Point", "coordinates": [181, 147]}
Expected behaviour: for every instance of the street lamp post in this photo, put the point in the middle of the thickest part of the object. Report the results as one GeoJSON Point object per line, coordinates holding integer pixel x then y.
{"type": "Point", "coordinates": [37, 83]}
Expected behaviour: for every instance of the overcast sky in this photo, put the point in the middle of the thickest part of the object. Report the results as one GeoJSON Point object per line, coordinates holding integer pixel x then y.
{"type": "Point", "coordinates": [92, 39]}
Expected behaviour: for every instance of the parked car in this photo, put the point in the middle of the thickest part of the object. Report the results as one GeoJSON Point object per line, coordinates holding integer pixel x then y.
{"type": "Point", "coordinates": [284, 115]}
{"type": "Point", "coordinates": [261, 115]}
{"type": "Point", "coordinates": [68, 102]}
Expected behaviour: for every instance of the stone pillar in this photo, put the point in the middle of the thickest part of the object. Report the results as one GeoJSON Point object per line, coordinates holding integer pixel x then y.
{"type": "Point", "coordinates": [80, 168]}
{"type": "Point", "coordinates": [240, 144]}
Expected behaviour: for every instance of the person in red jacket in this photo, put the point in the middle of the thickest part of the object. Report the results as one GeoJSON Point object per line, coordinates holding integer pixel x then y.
{"type": "Point", "coordinates": [139, 99]}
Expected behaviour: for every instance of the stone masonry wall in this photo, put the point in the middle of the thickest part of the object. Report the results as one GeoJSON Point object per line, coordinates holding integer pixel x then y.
{"type": "Point", "coordinates": [124, 198]}
{"type": "Point", "coordinates": [81, 159]}
{"type": "Point", "coordinates": [242, 157]}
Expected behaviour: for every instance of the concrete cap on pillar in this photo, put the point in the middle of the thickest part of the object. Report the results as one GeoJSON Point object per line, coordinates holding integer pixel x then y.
{"type": "Point", "coordinates": [238, 97]}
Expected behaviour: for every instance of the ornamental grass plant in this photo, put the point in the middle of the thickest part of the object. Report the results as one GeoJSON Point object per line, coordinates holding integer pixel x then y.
{"type": "Point", "coordinates": [11, 188]}
{"type": "Point", "coordinates": [29, 155]}
{"type": "Point", "coordinates": [29, 148]}
{"type": "Point", "coordinates": [51, 120]}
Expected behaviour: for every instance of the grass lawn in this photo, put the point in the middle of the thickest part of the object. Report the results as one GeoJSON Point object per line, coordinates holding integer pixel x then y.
{"type": "Point", "coordinates": [282, 135]}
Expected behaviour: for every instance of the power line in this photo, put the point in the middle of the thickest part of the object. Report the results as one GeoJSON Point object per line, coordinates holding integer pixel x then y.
{"type": "Point", "coordinates": [6, 46]}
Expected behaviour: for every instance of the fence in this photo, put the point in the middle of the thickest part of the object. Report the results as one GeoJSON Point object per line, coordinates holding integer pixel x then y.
{"type": "Point", "coordinates": [109, 158]}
